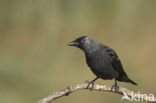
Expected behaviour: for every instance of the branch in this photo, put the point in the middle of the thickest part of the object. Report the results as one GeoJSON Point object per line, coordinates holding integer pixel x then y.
{"type": "Point", "coordinates": [96, 87]}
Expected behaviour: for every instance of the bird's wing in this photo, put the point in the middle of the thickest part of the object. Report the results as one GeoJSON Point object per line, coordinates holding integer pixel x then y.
{"type": "Point", "coordinates": [100, 63]}
{"type": "Point", "coordinates": [116, 63]}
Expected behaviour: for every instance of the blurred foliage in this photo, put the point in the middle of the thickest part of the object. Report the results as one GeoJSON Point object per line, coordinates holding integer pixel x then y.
{"type": "Point", "coordinates": [35, 60]}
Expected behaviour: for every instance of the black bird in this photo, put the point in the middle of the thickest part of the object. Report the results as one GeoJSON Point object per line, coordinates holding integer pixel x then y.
{"type": "Point", "coordinates": [102, 60]}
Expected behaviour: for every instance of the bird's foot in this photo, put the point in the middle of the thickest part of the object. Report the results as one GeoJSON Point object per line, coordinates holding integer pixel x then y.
{"type": "Point", "coordinates": [116, 87]}
{"type": "Point", "coordinates": [90, 83]}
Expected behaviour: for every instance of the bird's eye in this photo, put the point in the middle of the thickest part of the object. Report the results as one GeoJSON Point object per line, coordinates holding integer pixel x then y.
{"type": "Point", "coordinates": [82, 41]}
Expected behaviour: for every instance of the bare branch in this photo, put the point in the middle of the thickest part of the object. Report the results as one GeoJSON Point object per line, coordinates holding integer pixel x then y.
{"type": "Point", "coordinates": [96, 87]}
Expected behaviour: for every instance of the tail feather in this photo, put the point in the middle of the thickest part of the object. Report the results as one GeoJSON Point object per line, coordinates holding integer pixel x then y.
{"type": "Point", "coordinates": [129, 80]}
{"type": "Point", "coordinates": [125, 78]}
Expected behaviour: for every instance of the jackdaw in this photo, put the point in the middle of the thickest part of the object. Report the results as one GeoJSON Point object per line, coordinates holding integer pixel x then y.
{"type": "Point", "coordinates": [102, 60]}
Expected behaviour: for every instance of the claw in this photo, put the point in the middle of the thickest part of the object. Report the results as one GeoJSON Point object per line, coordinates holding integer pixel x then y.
{"type": "Point", "coordinates": [115, 86]}
{"type": "Point", "coordinates": [90, 83]}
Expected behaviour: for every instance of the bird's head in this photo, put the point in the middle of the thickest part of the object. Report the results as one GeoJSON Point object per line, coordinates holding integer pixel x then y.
{"type": "Point", "coordinates": [86, 43]}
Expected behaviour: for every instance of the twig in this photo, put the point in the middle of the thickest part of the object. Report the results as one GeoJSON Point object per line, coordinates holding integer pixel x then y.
{"type": "Point", "coordinates": [96, 87]}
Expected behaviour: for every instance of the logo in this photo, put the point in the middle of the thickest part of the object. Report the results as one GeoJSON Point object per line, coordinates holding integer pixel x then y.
{"type": "Point", "coordinates": [138, 97]}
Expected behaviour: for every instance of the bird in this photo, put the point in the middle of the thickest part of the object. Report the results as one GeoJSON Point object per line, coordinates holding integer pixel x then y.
{"type": "Point", "coordinates": [102, 60]}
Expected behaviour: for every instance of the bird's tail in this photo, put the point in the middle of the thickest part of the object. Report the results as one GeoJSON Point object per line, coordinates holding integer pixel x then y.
{"type": "Point", "coordinates": [129, 80]}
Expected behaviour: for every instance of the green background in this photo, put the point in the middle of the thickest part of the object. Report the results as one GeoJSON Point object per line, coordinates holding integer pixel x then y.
{"type": "Point", "coordinates": [36, 61]}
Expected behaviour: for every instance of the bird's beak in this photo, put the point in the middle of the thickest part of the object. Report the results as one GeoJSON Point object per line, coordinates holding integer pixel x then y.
{"type": "Point", "coordinates": [73, 43]}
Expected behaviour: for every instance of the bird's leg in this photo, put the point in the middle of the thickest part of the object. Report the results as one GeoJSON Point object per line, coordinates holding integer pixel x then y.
{"type": "Point", "coordinates": [91, 83]}
{"type": "Point", "coordinates": [115, 86]}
